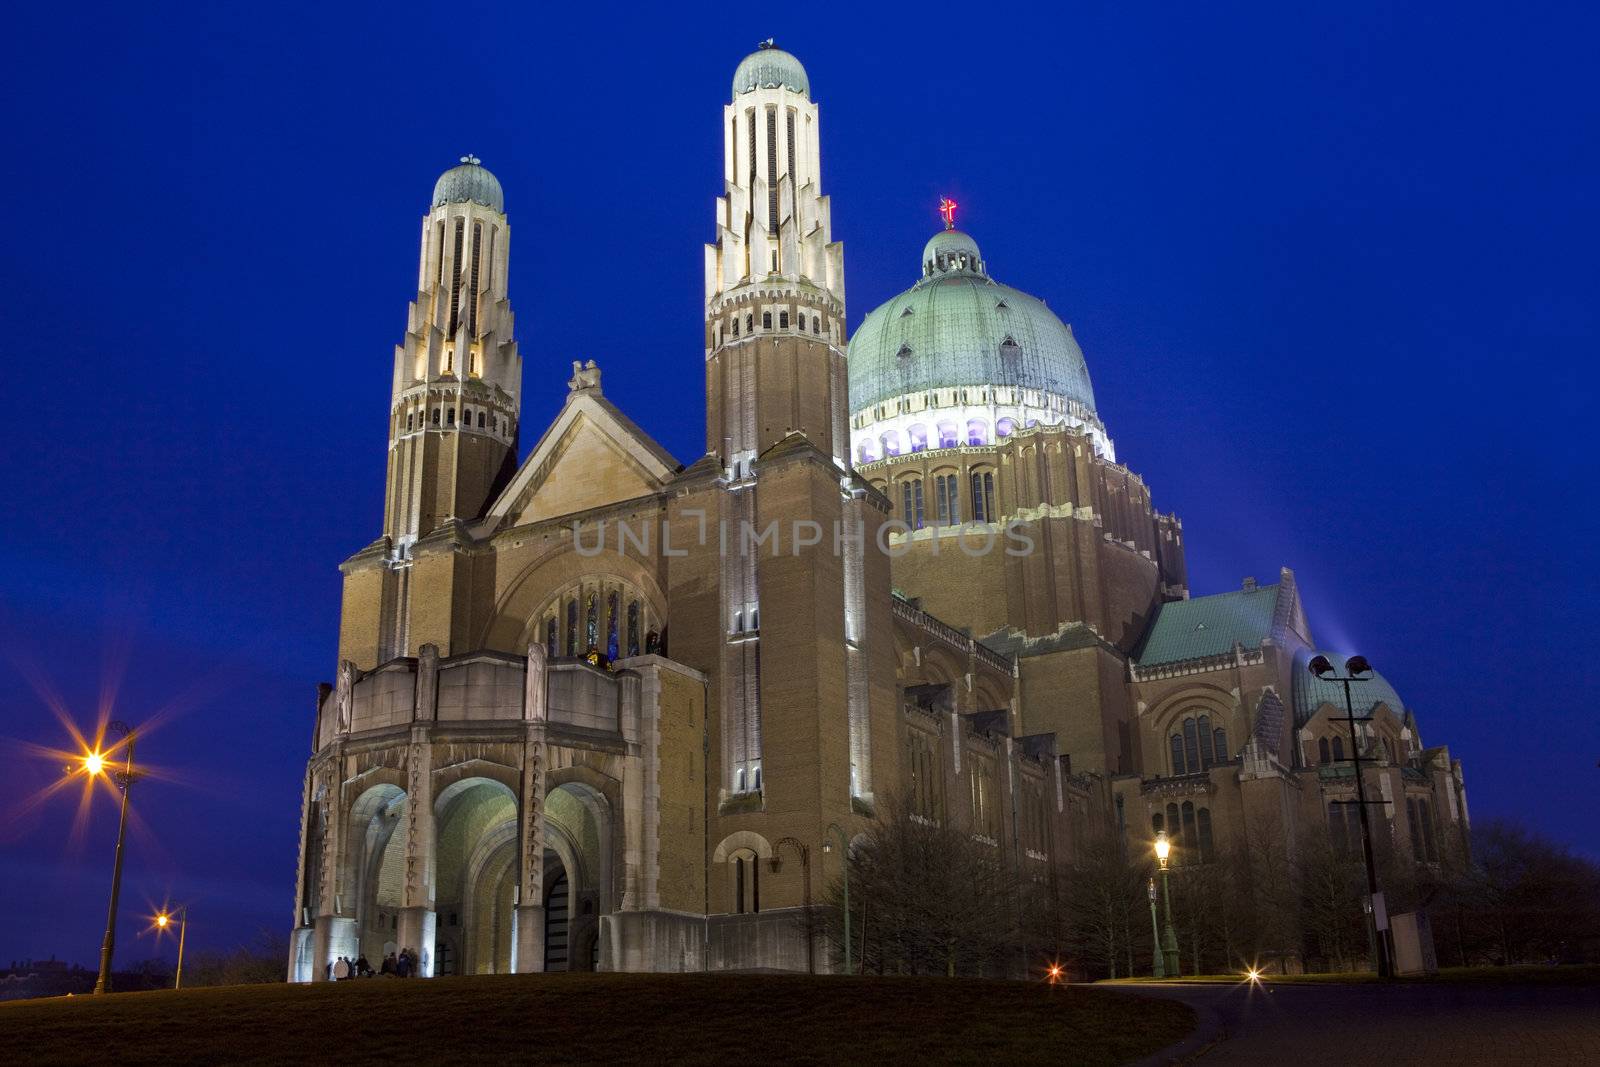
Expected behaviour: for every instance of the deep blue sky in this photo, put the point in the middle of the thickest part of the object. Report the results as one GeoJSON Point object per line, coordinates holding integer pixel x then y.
{"type": "Point", "coordinates": [1335, 274]}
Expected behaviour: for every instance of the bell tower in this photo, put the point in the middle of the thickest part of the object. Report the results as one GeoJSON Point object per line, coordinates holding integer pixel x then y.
{"type": "Point", "coordinates": [775, 327]}
{"type": "Point", "coordinates": [457, 375]}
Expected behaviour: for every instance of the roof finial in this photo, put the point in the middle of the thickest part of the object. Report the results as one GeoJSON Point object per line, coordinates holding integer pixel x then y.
{"type": "Point", "coordinates": [764, 45]}
{"type": "Point", "coordinates": [470, 158]}
{"type": "Point", "coordinates": [947, 208]}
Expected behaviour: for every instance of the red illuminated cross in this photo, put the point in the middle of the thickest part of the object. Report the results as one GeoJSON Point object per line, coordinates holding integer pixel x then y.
{"type": "Point", "coordinates": [947, 208]}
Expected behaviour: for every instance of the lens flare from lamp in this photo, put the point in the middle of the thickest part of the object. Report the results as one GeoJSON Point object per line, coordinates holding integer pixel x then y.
{"type": "Point", "coordinates": [94, 763]}
{"type": "Point", "coordinates": [1163, 847]}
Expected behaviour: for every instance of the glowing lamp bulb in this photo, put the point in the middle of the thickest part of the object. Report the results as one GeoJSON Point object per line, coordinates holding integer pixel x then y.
{"type": "Point", "coordinates": [93, 763]}
{"type": "Point", "coordinates": [162, 920]}
{"type": "Point", "coordinates": [1163, 847]}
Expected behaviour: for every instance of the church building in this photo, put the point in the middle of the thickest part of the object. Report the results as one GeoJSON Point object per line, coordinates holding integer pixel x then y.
{"type": "Point", "coordinates": [600, 709]}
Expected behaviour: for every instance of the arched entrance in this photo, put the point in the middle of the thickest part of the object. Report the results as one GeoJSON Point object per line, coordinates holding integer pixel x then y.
{"type": "Point", "coordinates": [578, 875]}
{"type": "Point", "coordinates": [376, 871]}
{"type": "Point", "coordinates": [476, 868]}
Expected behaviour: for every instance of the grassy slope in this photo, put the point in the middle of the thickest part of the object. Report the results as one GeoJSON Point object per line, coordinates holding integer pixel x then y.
{"type": "Point", "coordinates": [599, 1018]}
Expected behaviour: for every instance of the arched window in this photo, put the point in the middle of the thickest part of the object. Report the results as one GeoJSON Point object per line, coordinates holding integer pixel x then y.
{"type": "Point", "coordinates": [572, 627]}
{"type": "Point", "coordinates": [591, 624]}
{"type": "Point", "coordinates": [550, 637]}
{"type": "Point", "coordinates": [983, 502]}
{"type": "Point", "coordinates": [482, 420]}
{"type": "Point", "coordinates": [1178, 765]}
{"type": "Point", "coordinates": [801, 320]}
{"type": "Point", "coordinates": [750, 322]}
{"type": "Point", "coordinates": [946, 499]}
{"type": "Point", "coordinates": [948, 435]}
{"type": "Point", "coordinates": [1204, 729]}
{"type": "Point", "coordinates": [736, 326]}
{"type": "Point", "coordinates": [911, 502]}
{"type": "Point", "coordinates": [738, 885]}
{"type": "Point", "coordinates": [1338, 750]}
{"type": "Point", "coordinates": [891, 442]}
{"type": "Point", "coordinates": [1203, 818]}
{"type": "Point", "coordinates": [1189, 835]}
{"type": "Point", "coordinates": [746, 883]}
{"type": "Point", "coordinates": [783, 320]}
{"type": "Point", "coordinates": [867, 451]}
{"type": "Point", "coordinates": [1005, 427]}
{"type": "Point", "coordinates": [755, 779]}
{"type": "Point", "coordinates": [1157, 823]}
{"type": "Point", "coordinates": [409, 417]}
{"type": "Point", "coordinates": [1173, 822]}
{"type": "Point", "coordinates": [436, 416]}
{"type": "Point", "coordinates": [766, 320]}
{"type": "Point", "coordinates": [1322, 750]}
{"type": "Point", "coordinates": [816, 324]}
{"type": "Point", "coordinates": [613, 625]}
{"type": "Point", "coordinates": [1219, 740]}
{"type": "Point", "coordinates": [1191, 746]}
{"type": "Point", "coordinates": [633, 627]}
{"type": "Point", "coordinates": [977, 432]}
{"type": "Point", "coordinates": [918, 436]}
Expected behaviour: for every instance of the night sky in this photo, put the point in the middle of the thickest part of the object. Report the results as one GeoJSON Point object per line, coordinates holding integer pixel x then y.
{"type": "Point", "coordinates": [1334, 273]}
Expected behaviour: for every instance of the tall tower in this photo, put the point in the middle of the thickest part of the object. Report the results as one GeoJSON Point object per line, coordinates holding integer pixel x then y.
{"type": "Point", "coordinates": [457, 375]}
{"type": "Point", "coordinates": [775, 329]}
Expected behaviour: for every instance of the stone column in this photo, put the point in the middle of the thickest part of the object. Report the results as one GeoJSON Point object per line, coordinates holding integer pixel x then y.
{"type": "Point", "coordinates": [631, 825]}
{"type": "Point", "coordinates": [416, 913]}
{"type": "Point", "coordinates": [527, 949]}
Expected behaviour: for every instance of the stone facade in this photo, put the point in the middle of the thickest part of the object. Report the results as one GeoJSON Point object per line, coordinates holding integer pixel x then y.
{"type": "Point", "coordinates": [599, 709]}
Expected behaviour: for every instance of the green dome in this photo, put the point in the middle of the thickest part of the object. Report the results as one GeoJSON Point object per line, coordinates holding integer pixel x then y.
{"type": "Point", "coordinates": [769, 67]}
{"type": "Point", "coordinates": [469, 183]}
{"type": "Point", "coordinates": [958, 327]}
{"type": "Point", "coordinates": [1311, 692]}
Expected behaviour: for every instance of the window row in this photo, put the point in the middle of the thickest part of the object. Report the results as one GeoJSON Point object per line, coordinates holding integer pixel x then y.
{"type": "Point", "coordinates": [486, 420]}
{"type": "Point", "coordinates": [945, 434]}
{"type": "Point", "coordinates": [1188, 828]}
{"type": "Point", "coordinates": [1195, 745]}
{"type": "Point", "coordinates": [801, 320]}
{"type": "Point", "coordinates": [944, 507]}
{"type": "Point", "coordinates": [612, 621]}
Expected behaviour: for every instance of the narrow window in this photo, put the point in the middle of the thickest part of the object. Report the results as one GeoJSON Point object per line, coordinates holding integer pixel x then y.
{"type": "Point", "coordinates": [736, 326]}
{"type": "Point", "coordinates": [472, 290]}
{"type": "Point", "coordinates": [772, 170]}
{"type": "Point", "coordinates": [1204, 821]}
{"type": "Point", "coordinates": [766, 320]}
{"type": "Point", "coordinates": [1177, 754]}
{"type": "Point", "coordinates": [450, 416]}
{"type": "Point", "coordinates": [783, 320]}
{"type": "Point", "coordinates": [750, 323]}
{"type": "Point", "coordinates": [1322, 750]}
{"type": "Point", "coordinates": [550, 637]}
{"type": "Point", "coordinates": [1205, 742]}
{"type": "Point", "coordinates": [591, 629]}
{"type": "Point", "coordinates": [801, 320]}
{"type": "Point", "coordinates": [482, 420]}
{"type": "Point", "coordinates": [1157, 823]}
{"type": "Point", "coordinates": [816, 324]}
{"type": "Point", "coordinates": [455, 276]}
{"type": "Point", "coordinates": [1189, 834]}
{"type": "Point", "coordinates": [1219, 740]}
{"type": "Point", "coordinates": [1173, 823]}
{"type": "Point", "coordinates": [1338, 750]}
{"type": "Point", "coordinates": [436, 416]}
{"type": "Point", "coordinates": [738, 885]}
{"type": "Point", "coordinates": [1191, 746]}
{"type": "Point", "coordinates": [572, 628]}
{"type": "Point", "coordinates": [613, 640]}
{"type": "Point", "coordinates": [792, 170]}
{"type": "Point", "coordinates": [633, 627]}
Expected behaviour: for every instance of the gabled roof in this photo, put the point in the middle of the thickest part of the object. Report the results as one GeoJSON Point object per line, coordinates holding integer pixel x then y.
{"type": "Point", "coordinates": [1209, 625]}
{"type": "Point", "coordinates": [613, 460]}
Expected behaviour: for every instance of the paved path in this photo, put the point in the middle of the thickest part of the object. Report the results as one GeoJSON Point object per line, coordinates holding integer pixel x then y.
{"type": "Point", "coordinates": [1350, 1025]}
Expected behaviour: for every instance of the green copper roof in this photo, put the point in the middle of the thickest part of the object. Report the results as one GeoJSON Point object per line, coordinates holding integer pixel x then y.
{"type": "Point", "coordinates": [470, 183]}
{"type": "Point", "coordinates": [1209, 626]}
{"type": "Point", "coordinates": [959, 327]}
{"type": "Point", "coordinates": [770, 68]}
{"type": "Point", "coordinates": [1311, 692]}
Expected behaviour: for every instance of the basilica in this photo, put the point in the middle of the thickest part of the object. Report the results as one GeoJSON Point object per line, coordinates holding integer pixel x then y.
{"type": "Point", "coordinates": [599, 708]}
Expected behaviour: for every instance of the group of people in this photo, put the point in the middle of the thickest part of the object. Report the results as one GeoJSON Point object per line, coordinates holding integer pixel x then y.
{"type": "Point", "coordinates": [403, 965]}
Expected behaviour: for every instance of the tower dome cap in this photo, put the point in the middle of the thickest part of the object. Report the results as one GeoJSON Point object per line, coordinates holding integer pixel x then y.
{"type": "Point", "coordinates": [770, 67]}
{"type": "Point", "coordinates": [470, 182]}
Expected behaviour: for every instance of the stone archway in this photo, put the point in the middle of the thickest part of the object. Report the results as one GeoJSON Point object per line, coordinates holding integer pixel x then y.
{"type": "Point", "coordinates": [375, 867]}
{"type": "Point", "coordinates": [579, 838]}
{"type": "Point", "coordinates": [475, 875]}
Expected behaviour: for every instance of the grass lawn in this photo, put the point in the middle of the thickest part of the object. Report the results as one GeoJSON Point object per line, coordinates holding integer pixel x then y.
{"type": "Point", "coordinates": [599, 1018]}
{"type": "Point", "coordinates": [1585, 975]}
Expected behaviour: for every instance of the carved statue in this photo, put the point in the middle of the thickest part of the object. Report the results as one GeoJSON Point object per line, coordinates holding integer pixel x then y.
{"type": "Point", "coordinates": [533, 701]}
{"type": "Point", "coordinates": [344, 696]}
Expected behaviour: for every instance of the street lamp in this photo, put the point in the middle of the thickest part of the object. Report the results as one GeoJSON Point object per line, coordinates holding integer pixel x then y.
{"type": "Point", "coordinates": [94, 763]}
{"type": "Point", "coordinates": [1169, 940]}
{"type": "Point", "coordinates": [1321, 667]}
{"type": "Point", "coordinates": [844, 858]}
{"type": "Point", "coordinates": [163, 920]}
{"type": "Point", "coordinates": [1159, 968]}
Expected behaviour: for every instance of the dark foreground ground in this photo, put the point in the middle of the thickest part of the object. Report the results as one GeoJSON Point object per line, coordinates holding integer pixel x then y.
{"type": "Point", "coordinates": [600, 1018]}
{"type": "Point", "coordinates": [1459, 1024]}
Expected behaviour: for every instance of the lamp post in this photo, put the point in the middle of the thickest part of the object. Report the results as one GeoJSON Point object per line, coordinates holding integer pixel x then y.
{"type": "Point", "coordinates": [94, 763]}
{"type": "Point", "coordinates": [1159, 968]}
{"type": "Point", "coordinates": [163, 920]}
{"type": "Point", "coordinates": [844, 864]}
{"type": "Point", "coordinates": [805, 874]}
{"type": "Point", "coordinates": [1322, 668]}
{"type": "Point", "coordinates": [1169, 940]}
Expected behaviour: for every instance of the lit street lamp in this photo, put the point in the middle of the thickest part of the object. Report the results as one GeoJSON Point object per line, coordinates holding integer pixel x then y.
{"type": "Point", "coordinates": [1169, 940]}
{"type": "Point", "coordinates": [94, 764]}
{"type": "Point", "coordinates": [163, 920]}
{"type": "Point", "coordinates": [1354, 665]}
{"type": "Point", "coordinates": [844, 865]}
